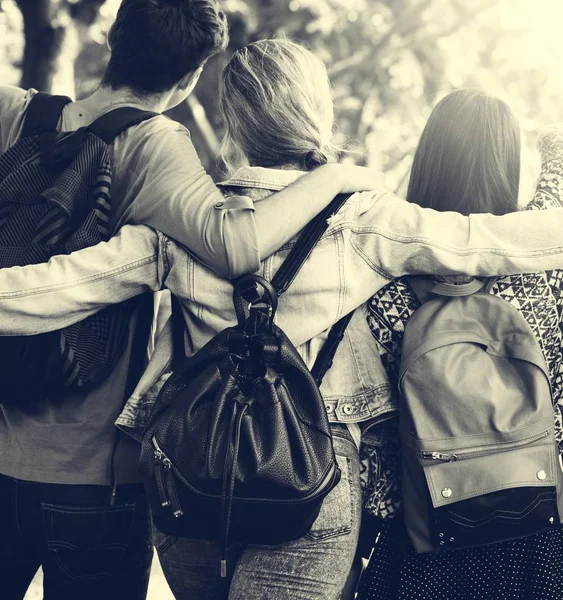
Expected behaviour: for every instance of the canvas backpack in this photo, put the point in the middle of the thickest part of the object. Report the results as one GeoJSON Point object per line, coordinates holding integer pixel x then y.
{"type": "Point", "coordinates": [55, 198]}
{"type": "Point", "coordinates": [239, 447]}
{"type": "Point", "coordinates": [480, 464]}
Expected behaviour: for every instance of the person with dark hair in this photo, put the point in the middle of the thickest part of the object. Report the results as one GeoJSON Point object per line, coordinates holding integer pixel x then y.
{"type": "Point", "coordinates": [468, 161]}
{"type": "Point", "coordinates": [154, 45]}
{"type": "Point", "coordinates": [70, 494]}
{"type": "Point", "coordinates": [472, 141]}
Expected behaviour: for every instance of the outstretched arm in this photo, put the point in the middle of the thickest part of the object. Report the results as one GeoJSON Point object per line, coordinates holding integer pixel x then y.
{"type": "Point", "coordinates": [388, 238]}
{"type": "Point", "coordinates": [69, 288]}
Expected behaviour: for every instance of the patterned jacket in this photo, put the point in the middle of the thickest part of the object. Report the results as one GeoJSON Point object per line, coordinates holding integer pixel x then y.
{"type": "Point", "coordinates": [539, 296]}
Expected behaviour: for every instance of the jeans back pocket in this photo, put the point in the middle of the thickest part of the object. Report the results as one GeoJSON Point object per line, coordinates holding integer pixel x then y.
{"type": "Point", "coordinates": [335, 517]}
{"type": "Point", "coordinates": [88, 542]}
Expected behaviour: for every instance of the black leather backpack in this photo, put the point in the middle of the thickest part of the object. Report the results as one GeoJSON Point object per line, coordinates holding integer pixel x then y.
{"type": "Point", "coordinates": [239, 445]}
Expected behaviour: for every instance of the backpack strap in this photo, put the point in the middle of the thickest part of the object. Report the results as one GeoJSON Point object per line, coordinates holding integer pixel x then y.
{"type": "Point", "coordinates": [424, 287]}
{"type": "Point", "coordinates": [289, 269]}
{"type": "Point", "coordinates": [307, 240]}
{"type": "Point", "coordinates": [42, 118]}
{"type": "Point", "coordinates": [178, 328]}
{"type": "Point", "coordinates": [326, 355]}
{"type": "Point", "coordinates": [43, 114]}
{"type": "Point", "coordinates": [457, 290]}
{"type": "Point", "coordinates": [113, 123]}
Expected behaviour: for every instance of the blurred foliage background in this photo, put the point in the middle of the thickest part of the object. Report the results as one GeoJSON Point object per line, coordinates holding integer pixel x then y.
{"type": "Point", "coordinates": [390, 61]}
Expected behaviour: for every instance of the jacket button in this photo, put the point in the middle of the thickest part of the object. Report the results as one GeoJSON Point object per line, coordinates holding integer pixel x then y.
{"type": "Point", "coordinates": [446, 493]}
{"type": "Point", "coordinates": [541, 475]}
{"type": "Point", "coordinates": [348, 409]}
{"type": "Point", "coordinates": [219, 205]}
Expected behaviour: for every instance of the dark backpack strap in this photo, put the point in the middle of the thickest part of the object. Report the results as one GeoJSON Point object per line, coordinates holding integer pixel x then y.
{"type": "Point", "coordinates": [109, 126]}
{"type": "Point", "coordinates": [143, 305]}
{"type": "Point", "coordinates": [42, 117]}
{"type": "Point", "coordinates": [43, 113]}
{"type": "Point", "coordinates": [178, 328]}
{"type": "Point", "coordinates": [307, 241]}
{"type": "Point", "coordinates": [291, 267]}
{"type": "Point", "coordinates": [326, 355]}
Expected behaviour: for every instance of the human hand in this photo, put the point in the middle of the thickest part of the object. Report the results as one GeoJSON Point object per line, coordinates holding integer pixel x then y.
{"type": "Point", "coordinates": [352, 178]}
{"type": "Point", "coordinates": [550, 143]}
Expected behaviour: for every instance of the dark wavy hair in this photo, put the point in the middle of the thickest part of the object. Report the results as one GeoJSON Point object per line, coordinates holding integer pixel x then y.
{"type": "Point", "coordinates": [468, 157]}
{"type": "Point", "coordinates": [154, 43]}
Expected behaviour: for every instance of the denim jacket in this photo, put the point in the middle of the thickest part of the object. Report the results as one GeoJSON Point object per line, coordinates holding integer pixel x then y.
{"type": "Point", "coordinates": [375, 237]}
{"type": "Point", "coordinates": [356, 387]}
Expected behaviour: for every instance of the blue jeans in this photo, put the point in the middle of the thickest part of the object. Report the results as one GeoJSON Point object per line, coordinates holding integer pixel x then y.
{"type": "Point", "coordinates": [88, 549]}
{"type": "Point", "coordinates": [314, 567]}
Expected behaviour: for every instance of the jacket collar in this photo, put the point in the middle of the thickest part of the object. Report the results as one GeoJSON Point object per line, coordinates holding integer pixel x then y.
{"type": "Point", "coordinates": [263, 178]}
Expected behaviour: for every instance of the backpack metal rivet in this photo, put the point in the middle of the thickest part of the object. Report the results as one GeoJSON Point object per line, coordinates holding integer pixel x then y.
{"type": "Point", "coordinates": [348, 409]}
{"type": "Point", "coordinates": [551, 520]}
{"type": "Point", "coordinates": [442, 543]}
{"type": "Point", "coordinates": [447, 492]}
{"type": "Point", "coordinates": [452, 539]}
{"type": "Point", "coordinates": [441, 535]}
{"type": "Point", "coordinates": [329, 408]}
{"type": "Point", "coordinates": [541, 475]}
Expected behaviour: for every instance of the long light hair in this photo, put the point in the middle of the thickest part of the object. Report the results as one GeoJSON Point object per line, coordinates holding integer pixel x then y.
{"type": "Point", "coordinates": [468, 157]}
{"type": "Point", "coordinates": [276, 103]}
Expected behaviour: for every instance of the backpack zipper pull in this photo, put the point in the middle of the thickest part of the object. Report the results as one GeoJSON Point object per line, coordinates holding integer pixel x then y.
{"type": "Point", "coordinates": [170, 487]}
{"type": "Point", "coordinates": [159, 476]}
{"type": "Point", "coordinates": [439, 456]}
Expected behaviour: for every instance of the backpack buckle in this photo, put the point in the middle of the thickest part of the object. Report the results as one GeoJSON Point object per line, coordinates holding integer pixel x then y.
{"type": "Point", "coordinates": [262, 306]}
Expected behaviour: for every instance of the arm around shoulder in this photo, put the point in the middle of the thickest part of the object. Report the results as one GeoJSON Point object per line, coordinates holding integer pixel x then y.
{"type": "Point", "coordinates": [398, 238]}
{"type": "Point", "coordinates": [45, 297]}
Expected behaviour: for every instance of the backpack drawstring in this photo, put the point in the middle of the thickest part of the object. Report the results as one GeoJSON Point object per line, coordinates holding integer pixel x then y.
{"type": "Point", "coordinates": [112, 475]}
{"type": "Point", "coordinates": [229, 476]}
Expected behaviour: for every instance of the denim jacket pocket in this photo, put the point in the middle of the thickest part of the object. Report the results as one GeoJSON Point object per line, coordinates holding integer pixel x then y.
{"type": "Point", "coordinates": [356, 388]}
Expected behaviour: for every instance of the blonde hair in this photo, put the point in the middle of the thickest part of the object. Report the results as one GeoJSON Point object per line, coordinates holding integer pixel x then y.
{"type": "Point", "coordinates": [276, 102]}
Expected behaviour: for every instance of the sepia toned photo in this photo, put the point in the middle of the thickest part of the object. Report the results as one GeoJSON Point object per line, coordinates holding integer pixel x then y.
{"type": "Point", "coordinates": [281, 300]}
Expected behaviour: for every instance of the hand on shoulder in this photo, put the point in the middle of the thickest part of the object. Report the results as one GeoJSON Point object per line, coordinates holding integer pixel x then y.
{"type": "Point", "coordinates": [550, 143]}
{"type": "Point", "coordinates": [353, 178]}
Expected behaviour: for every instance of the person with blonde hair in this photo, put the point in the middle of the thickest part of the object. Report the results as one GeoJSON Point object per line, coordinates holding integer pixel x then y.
{"type": "Point", "coordinates": [276, 100]}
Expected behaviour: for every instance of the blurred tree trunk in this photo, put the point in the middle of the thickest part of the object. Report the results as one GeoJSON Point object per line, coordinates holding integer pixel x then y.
{"type": "Point", "coordinates": [43, 43]}
{"type": "Point", "coordinates": [54, 30]}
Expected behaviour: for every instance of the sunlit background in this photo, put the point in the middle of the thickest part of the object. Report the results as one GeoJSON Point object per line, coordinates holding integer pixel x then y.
{"type": "Point", "coordinates": [390, 61]}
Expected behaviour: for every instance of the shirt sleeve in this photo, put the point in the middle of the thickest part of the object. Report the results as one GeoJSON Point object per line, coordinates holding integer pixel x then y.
{"type": "Point", "coordinates": [180, 199]}
{"type": "Point", "coordinates": [389, 238]}
{"type": "Point", "coordinates": [68, 288]}
{"type": "Point", "coordinates": [10, 96]}
{"type": "Point", "coordinates": [12, 103]}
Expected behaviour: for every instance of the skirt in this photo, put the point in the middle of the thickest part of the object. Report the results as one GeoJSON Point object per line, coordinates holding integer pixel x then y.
{"type": "Point", "coordinates": [527, 569]}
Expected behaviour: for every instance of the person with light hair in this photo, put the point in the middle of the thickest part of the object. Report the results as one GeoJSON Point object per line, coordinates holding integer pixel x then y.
{"type": "Point", "coordinates": [276, 101]}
